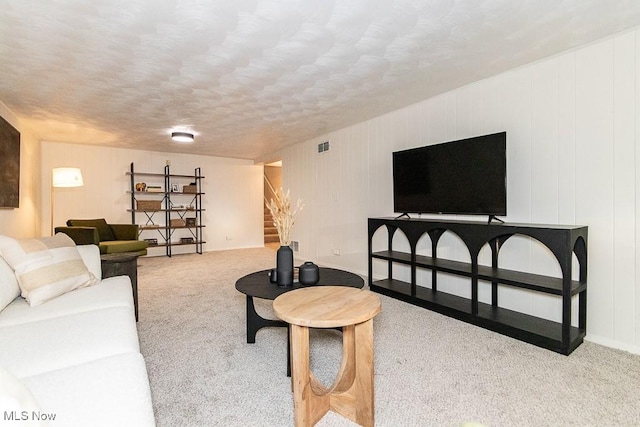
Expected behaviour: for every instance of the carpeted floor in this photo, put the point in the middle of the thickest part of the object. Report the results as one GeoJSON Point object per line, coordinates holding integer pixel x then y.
{"type": "Point", "coordinates": [430, 370]}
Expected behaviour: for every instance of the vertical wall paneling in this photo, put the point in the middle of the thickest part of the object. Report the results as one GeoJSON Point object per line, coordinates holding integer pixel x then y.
{"type": "Point", "coordinates": [401, 139]}
{"type": "Point", "coordinates": [383, 170]}
{"type": "Point", "coordinates": [594, 175]}
{"type": "Point", "coordinates": [464, 112]}
{"type": "Point", "coordinates": [624, 256]}
{"type": "Point", "coordinates": [329, 173]}
{"type": "Point", "coordinates": [636, 316]}
{"type": "Point", "coordinates": [302, 162]}
{"type": "Point", "coordinates": [544, 174]}
{"type": "Point", "coordinates": [356, 202]}
{"type": "Point", "coordinates": [376, 160]}
{"type": "Point", "coordinates": [423, 108]}
{"type": "Point", "coordinates": [441, 122]}
{"type": "Point", "coordinates": [566, 138]}
{"type": "Point", "coordinates": [544, 142]}
{"type": "Point", "coordinates": [414, 128]}
{"type": "Point", "coordinates": [516, 96]}
{"type": "Point", "coordinates": [487, 106]}
{"type": "Point", "coordinates": [572, 154]}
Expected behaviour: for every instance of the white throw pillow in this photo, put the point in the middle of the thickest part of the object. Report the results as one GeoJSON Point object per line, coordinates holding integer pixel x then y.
{"type": "Point", "coordinates": [46, 267]}
{"type": "Point", "coordinates": [9, 289]}
{"type": "Point", "coordinates": [17, 402]}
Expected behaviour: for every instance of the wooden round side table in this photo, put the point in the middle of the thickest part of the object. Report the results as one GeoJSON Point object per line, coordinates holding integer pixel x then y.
{"type": "Point", "coordinates": [351, 395]}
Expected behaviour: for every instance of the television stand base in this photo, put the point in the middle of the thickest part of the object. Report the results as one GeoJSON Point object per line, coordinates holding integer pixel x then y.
{"type": "Point", "coordinates": [492, 217]}
{"type": "Point", "coordinates": [482, 284]}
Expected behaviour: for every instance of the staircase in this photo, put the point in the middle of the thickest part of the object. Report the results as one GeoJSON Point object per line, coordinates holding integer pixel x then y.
{"type": "Point", "coordinates": [270, 232]}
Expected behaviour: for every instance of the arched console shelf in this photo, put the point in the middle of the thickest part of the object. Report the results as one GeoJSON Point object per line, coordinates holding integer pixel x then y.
{"type": "Point", "coordinates": [562, 241]}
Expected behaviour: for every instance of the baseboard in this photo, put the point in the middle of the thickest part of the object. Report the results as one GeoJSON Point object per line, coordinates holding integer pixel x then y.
{"type": "Point", "coordinates": [618, 345]}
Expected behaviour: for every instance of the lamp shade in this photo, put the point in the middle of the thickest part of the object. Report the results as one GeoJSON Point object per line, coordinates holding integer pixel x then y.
{"type": "Point", "coordinates": [66, 177]}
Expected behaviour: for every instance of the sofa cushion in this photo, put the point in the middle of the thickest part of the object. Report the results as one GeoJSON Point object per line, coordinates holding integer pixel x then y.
{"type": "Point", "coordinates": [60, 342]}
{"type": "Point", "coordinates": [107, 392]}
{"type": "Point", "coordinates": [9, 288]}
{"type": "Point", "coordinates": [104, 231]}
{"type": "Point", "coordinates": [111, 292]}
{"type": "Point", "coordinates": [46, 267]}
{"type": "Point", "coordinates": [120, 246]}
{"type": "Point", "coordinates": [91, 257]}
{"type": "Point", "coordinates": [15, 397]}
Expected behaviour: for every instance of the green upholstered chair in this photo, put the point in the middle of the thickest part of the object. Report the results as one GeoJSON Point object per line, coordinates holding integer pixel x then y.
{"type": "Point", "coordinates": [110, 238]}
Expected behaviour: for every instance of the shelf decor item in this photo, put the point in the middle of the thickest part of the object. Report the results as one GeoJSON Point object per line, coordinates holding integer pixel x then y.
{"type": "Point", "coordinates": [177, 222]}
{"type": "Point", "coordinates": [190, 189]}
{"type": "Point", "coordinates": [154, 189]}
{"type": "Point", "coordinates": [148, 205]}
{"type": "Point", "coordinates": [283, 215]}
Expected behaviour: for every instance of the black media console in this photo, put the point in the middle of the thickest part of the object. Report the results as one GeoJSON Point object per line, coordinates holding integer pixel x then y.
{"type": "Point", "coordinates": [562, 241]}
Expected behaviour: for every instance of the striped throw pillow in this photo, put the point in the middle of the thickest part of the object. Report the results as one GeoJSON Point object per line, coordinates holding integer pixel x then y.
{"type": "Point", "coordinates": [46, 267]}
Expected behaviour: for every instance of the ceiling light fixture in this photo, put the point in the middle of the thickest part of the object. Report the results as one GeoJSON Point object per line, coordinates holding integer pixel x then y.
{"type": "Point", "coordinates": [185, 137]}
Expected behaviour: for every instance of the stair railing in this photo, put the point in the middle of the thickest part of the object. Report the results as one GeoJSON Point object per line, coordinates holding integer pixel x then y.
{"type": "Point", "coordinates": [270, 189]}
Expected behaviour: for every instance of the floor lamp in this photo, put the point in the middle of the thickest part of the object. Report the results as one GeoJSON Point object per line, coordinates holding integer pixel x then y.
{"type": "Point", "coordinates": [64, 178]}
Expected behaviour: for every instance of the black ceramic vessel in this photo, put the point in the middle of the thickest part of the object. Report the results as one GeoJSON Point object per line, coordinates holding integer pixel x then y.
{"type": "Point", "coordinates": [309, 273]}
{"type": "Point", "coordinates": [284, 266]}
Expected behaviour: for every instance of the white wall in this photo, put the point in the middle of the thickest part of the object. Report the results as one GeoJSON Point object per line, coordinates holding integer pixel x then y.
{"type": "Point", "coordinates": [232, 201]}
{"type": "Point", "coordinates": [572, 133]}
{"type": "Point", "coordinates": [21, 222]}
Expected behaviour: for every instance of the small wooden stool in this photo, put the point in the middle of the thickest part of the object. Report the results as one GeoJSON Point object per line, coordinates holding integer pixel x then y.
{"type": "Point", "coordinates": [351, 395]}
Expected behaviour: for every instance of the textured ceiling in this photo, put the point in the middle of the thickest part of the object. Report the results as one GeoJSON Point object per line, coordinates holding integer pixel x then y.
{"type": "Point", "coordinates": [250, 77]}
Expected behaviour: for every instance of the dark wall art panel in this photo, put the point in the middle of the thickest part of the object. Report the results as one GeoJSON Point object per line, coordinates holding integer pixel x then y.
{"type": "Point", "coordinates": [9, 165]}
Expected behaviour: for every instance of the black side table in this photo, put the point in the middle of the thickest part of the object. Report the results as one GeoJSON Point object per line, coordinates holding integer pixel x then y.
{"type": "Point", "coordinates": [123, 264]}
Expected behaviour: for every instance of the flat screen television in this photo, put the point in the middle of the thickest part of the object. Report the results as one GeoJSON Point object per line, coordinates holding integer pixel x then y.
{"type": "Point", "coordinates": [466, 177]}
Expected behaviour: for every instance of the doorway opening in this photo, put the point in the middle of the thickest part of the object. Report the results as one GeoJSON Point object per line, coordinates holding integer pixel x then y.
{"type": "Point", "coordinates": [272, 181]}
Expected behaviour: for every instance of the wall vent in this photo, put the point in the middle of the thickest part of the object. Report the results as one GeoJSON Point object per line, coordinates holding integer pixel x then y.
{"type": "Point", "coordinates": [323, 146]}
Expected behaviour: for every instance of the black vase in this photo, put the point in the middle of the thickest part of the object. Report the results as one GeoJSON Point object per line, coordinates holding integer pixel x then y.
{"type": "Point", "coordinates": [284, 266]}
{"type": "Point", "coordinates": [309, 274]}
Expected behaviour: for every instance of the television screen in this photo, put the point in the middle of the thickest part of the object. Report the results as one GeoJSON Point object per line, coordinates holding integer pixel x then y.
{"type": "Point", "coordinates": [460, 177]}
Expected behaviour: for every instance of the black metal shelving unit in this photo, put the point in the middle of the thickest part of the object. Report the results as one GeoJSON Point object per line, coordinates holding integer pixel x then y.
{"type": "Point", "coordinates": [159, 220]}
{"type": "Point", "coordinates": [562, 241]}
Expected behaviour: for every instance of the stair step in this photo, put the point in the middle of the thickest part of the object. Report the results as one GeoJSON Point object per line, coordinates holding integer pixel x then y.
{"type": "Point", "coordinates": [270, 231]}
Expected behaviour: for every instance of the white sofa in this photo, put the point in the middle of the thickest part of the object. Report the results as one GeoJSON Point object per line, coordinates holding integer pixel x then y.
{"type": "Point", "coordinates": [75, 357]}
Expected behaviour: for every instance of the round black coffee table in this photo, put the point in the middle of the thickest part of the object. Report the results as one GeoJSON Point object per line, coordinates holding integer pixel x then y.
{"type": "Point", "coordinates": [258, 285]}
